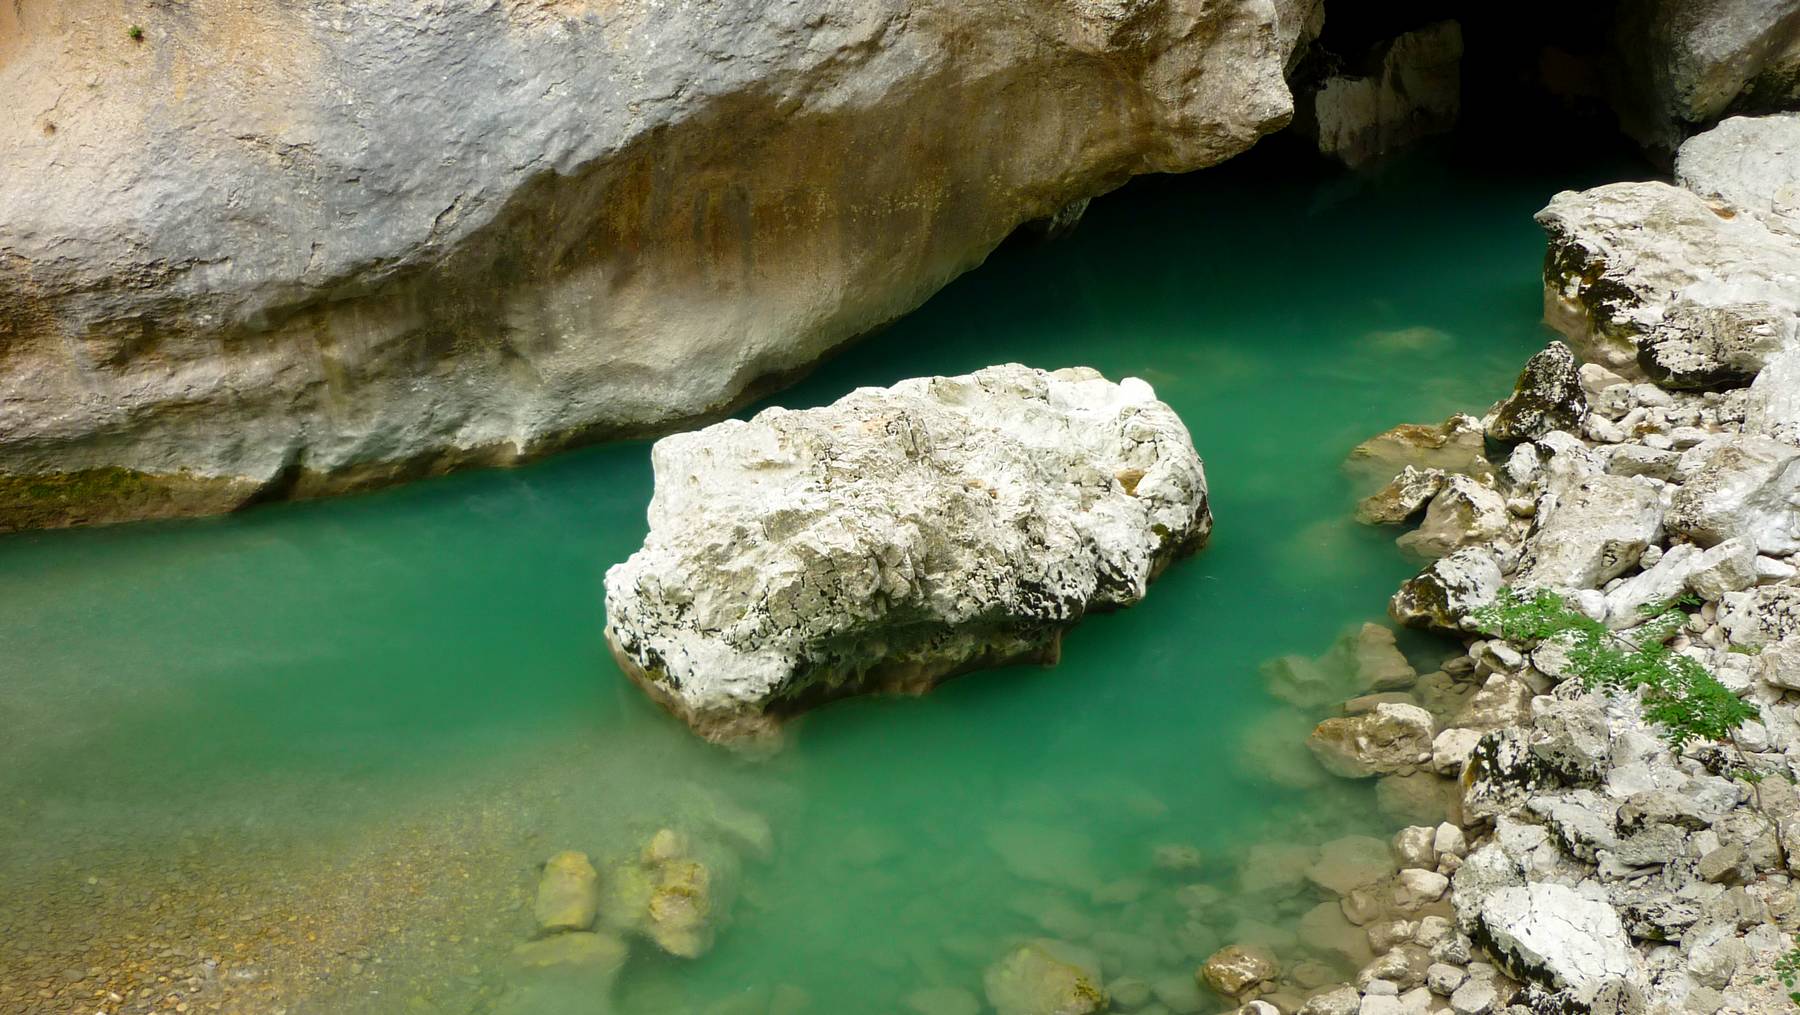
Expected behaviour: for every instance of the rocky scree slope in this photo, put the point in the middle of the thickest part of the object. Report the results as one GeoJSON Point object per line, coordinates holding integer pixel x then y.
{"type": "Point", "coordinates": [1597, 870]}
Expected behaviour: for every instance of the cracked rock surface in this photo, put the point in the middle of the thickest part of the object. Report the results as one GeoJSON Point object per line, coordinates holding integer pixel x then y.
{"type": "Point", "coordinates": [897, 537]}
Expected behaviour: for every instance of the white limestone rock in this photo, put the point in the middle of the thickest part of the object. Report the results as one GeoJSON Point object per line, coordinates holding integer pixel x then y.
{"type": "Point", "coordinates": [1772, 408]}
{"type": "Point", "coordinates": [1403, 497]}
{"type": "Point", "coordinates": [1650, 278]}
{"type": "Point", "coordinates": [1463, 513]}
{"type": "Point", "coordinates": [1595, 533]}
{"type": "Point", "coordinates": [1749, 163]}
{"type": "Point", "coordinates": [1739, 487]}
{"type": "Point", "coordinates": [1557, 936]}
{"type": "Point", "coordinates": [1547, 396]}
{"type": "Point", "coordinates": [1450, 750]}
{"type": "Point", "coordinates": [1443, 595]}
{"type": "Point", "coordinates": [895, 538]}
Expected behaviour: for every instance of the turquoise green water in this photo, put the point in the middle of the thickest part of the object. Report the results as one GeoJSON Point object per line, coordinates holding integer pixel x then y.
{"type": "Point", "coordinates": [366, 720]}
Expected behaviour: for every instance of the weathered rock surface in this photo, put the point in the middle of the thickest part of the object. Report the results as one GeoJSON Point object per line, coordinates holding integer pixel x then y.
{"type": "Point", "coordinates": [1463, 513]}
{"type": "Point", "coordinates": [1046, 978]}
{"type": "Point", "coordinates": [1593, 534]}
{"type": "Point", "coordinates": [1657, 279]}
{"type": "Point", "coordinates": [1751, 164]}
{"type": "Point", "coordinates": [897, 537]}
{"type": "Point", "coordinates": [1392, 738]}
{"type": "Point", "coordinates": [1403, 497]}
{"type": "Point", "coordinates": [1443, 595]}
{"type": "Point", "coordinates": [1685, 63]}
{"type": "Point", "coordinates": [1557, 935]}
{"type": "Point", "coordinates": [1547, 396]}
{"type": "Point", "coordinates": [1740, 487]}
{"type": "Point", "coordinates": [284, 250]}
{"type": "Point", "coordinates": [1411, 88]}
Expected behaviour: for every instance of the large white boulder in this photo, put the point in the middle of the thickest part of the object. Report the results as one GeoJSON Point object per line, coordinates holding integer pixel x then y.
{"type": "Point", "coordinates": [1593, 533]}
{"type": "Point", "coordinates": [1557, 936]}
{"type": "Point", "coordinates": [1739, 487]}
{"type": "Point", "coordinates": [1748, 163]}
{"type": "Point", "coordinates": [1681, 282]}
{"type": "Point", "coordinates": [1441, 597]}
{"type": "Point", "coordinates": [897, 537]}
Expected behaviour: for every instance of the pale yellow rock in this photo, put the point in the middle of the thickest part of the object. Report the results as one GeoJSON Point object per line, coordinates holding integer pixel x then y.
{"type": "Point", "coordinates": [1236, 971]}
{"type": "Point", "coordinates": [577, 948]}
{"type": "Point", "coordinates": [568, 896]}
{"type": "Point", "coordinates": [1045, 978]}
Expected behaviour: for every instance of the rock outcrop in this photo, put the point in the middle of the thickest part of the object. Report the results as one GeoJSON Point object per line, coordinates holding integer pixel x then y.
{"type": "Point", "coordinates": [1596, 867]}
{"type": "Point", "coordinates": [1682, 64]}
{"type": "Point", "coordinates": [1670, 283]}
{"type": "Point", "coordinates": [270, 250]}
{"type": "Point", "coordinates": [1408, 88]}
{"type": "Point", "coordinates": [897, 537]}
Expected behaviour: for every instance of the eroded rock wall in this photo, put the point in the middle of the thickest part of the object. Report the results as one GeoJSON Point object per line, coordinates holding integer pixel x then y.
{"type": "Point", "coordinates": [274, 250]}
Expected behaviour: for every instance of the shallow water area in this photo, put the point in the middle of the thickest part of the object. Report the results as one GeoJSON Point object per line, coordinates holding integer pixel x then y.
{"type": "Point", "coordinates": [310, 758]}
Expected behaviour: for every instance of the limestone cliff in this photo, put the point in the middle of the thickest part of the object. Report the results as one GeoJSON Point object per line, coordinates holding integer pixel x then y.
{"type": "Point", "coordinates": [251, 249]}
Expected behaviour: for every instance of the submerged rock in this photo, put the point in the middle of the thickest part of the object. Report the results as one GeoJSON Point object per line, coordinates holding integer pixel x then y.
{"type": "Point", "coordinates": [666, 895]}
{"type": "Point", "coordinates": [1239, 970]}
{"type": "Point", "coordinates": [896, 538]}
{"type": "Point", "coordinates": [428, 236]}
{"type": "Point", "coordinates": [568, 895]}
{"type": "Point", "coordinates": [1365, 660]}
{"type": "Point", "coordinates": [1046, 978]}
{"type": "Point", "coordinates": [1392, 738]}
{"type": "Point", "coordinates": [1457, 444]}
{"type": "Point", "coordinates": [578, 948]}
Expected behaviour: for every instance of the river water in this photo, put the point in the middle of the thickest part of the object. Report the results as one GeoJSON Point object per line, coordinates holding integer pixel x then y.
{"type": "Point", "coordinates": [308, 758]}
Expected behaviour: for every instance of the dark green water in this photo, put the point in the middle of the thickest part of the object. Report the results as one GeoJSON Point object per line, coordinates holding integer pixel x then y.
{"type": "Point", "coordinates": [370, 718]}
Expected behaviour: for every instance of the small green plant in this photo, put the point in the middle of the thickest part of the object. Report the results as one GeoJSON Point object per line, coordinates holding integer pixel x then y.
{"type": "Point", "coordinates": [135, 33]}
{"type": "Point", "coordinates": [1787, 970]}
{"type": "Point", "coordinates": [1679, 695]}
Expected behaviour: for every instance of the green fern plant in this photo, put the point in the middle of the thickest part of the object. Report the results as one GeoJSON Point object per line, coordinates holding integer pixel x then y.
{"type": "Point", "coordinates": [1679, 695]}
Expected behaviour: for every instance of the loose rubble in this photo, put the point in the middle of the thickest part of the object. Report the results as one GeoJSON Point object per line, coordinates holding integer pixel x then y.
{"type": "Point", "coordinates": [1584, 866]}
